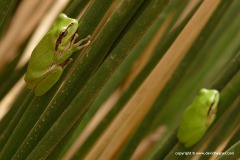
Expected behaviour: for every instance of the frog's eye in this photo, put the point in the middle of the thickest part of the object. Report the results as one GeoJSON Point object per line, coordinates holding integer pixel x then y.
{"type": "Point", "coordinates": [63, 33]}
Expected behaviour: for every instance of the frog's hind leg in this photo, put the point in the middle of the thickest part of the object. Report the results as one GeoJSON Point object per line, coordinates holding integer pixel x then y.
{"type": "Point", "coordinates": [48, 81]}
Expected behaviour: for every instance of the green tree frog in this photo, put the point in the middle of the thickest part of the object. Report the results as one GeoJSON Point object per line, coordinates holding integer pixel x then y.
{"type": "Point", "coordinates": [52, 54]}
{"type": "Point", "coordinates": [198, 117]}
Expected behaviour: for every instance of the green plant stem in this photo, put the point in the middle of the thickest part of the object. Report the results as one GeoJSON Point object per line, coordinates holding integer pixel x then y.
{"type": "Point", "coordinates": [75, 7]}
{"type": "Point", "coordinates": [229, 71]}
{"type": "Point", "coordinates": [7, 133]}
{"type": "Point", "coordinates": [6, 10]}
{"type": "Point", "coordinates": [10, 81]}
{"type": "Point", "coordinates": [13, 110]}
{"type": "Point", "coordinates": [235, 149]}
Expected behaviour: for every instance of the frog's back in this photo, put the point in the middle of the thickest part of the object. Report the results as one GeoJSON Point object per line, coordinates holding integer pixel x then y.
{"type": "Point", "coordinates": [41, 59]}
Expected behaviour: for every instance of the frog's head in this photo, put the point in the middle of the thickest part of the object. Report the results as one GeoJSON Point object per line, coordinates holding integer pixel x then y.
{"type": "Point", "coordinates": [66, 29]}
{"type": "Point", "coordinates": [211, 100]}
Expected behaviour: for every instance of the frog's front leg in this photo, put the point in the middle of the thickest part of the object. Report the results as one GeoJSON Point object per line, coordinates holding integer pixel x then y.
{"type": "Point", "coordinates": [72, 47]}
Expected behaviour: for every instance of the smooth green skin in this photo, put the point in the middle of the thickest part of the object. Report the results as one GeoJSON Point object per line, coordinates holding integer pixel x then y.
{"type": "Point", "coordinates": [52, 54]}
{"type": "Point", "coordinates": [198, 117]}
